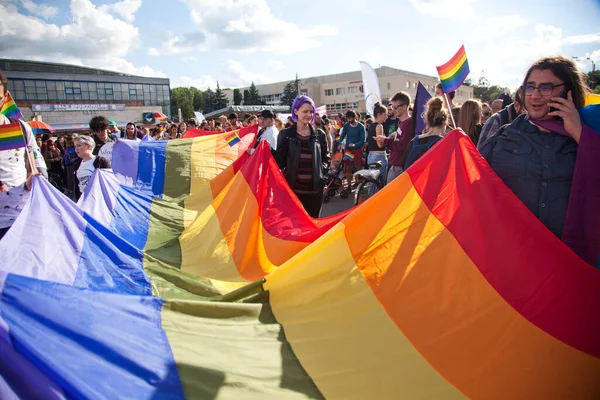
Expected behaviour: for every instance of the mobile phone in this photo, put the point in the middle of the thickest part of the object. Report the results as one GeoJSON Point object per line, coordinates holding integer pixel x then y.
{"type": "Point", "coordinates": [562, 94]}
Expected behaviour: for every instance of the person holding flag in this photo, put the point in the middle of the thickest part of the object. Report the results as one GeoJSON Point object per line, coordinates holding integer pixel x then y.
{"type": "Point", "coordinates": [17, 145]}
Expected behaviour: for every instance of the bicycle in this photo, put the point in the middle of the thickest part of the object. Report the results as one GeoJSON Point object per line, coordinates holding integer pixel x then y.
{"type": "Point", "coordinates": [370, 182]}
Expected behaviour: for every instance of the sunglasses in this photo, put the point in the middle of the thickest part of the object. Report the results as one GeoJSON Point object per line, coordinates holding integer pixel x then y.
{"type": "Point", "coordinates": [398, 106]}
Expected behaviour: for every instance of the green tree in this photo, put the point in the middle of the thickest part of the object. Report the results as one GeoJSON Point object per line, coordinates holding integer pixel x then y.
{"type": "Point", "coordinates": [209, 101]}
{"type": "Point", "coordinates": [593, 80]}
{"type": "Point", "coordinates": [246, 97]}
{"type": "Point", "coordinates": [254, 96]}
{"type": "Point", "coordinates": [183, 98]}
{"type": "Point", "coordinates": [221, 100]}
{"type": "Point", "coordinates": [198, 99]}
{"type": "Point", "coordinates": [486, 92]}
{"type": "Point", "coordinates": [290, 92]}
{"type": "Point", "coordinates": [237, 97]}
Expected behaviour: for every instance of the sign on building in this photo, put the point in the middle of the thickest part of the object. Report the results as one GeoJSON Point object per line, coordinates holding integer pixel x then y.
{"type": "Point", "coordinates": [77, 107]}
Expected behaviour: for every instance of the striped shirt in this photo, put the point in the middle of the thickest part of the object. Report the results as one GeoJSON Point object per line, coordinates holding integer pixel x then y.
{"type": "Point", "coordinates": [304, 179]}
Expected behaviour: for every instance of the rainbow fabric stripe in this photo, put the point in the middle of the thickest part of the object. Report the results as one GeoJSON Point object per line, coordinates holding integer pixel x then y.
{"type": "Point", "coordinates": [348, 156]}
{"type": "Point", "coordinates": [9, 108]}
{"type": "Point", "coordinates": [11, 136]}
{"type": "Point", "coordinates": [454, 72]}
{"type": "Point", "coordinates": [205, 278]}
{"type": "Point", "coordinates": [232, 139]}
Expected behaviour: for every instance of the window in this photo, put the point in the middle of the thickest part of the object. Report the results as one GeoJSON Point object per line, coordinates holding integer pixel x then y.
{"type": "Point", "coordinates": [414, 85]}
{"type": "Point", "coordinates": [352, 89]}
{"type": "Point", "coordinates": [352, 106]}
{"type": "Point", "coordinates": [389, 86]}
{"type": "Point", "coordinates": [328, 92]}
{"type": "Point", "coordinates": [330, 107]}
{"type": "Point", "coordinates": [108, 91]}
{"type": "Point", "coordinates": [340, 91]}
{"type": "Point", "coordinates": [72, 90]}
{"type": "Point", "coordinates": [407, 84]}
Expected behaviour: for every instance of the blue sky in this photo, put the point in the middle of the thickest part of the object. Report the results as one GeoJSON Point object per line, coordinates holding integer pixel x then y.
{"type": "Point", "coordinates": [199, 42]}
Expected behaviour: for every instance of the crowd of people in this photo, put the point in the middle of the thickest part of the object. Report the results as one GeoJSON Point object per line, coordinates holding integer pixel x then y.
{"type": "Point", "coordinates": [517, 149]}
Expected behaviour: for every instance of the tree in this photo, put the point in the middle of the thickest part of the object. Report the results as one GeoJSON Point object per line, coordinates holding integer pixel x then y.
{"type": "Point", "coordinates": [593, 80]}
{"type": "Point", "coordinates": [482, 90]}
{"type": "Point", "coordinates": [237, 97]}
{"type": "Point", "coordinates": [290, 92]}
{"type": "Point", "coordinates": [246, 97]}
{"type": "Point", "coordinates": [209, 101]}
{"type": "Point", "coordinates": [221, 100]}
{"type": "Point", "coordinates": [198, 99]}
{"type": "Point", "coordinates": [183, 98]}
{"type": "Point", "coordinates": [254, 96]}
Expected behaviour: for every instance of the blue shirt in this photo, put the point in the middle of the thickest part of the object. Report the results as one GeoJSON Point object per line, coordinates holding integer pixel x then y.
{"type": "Point", "coordinates": [537, 166]}
{"type": "Point", "coordinates": [354, 134]}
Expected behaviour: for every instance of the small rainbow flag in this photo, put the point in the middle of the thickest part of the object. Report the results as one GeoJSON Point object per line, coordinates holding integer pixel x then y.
{"type": "Point", "coordinates": [348, 156]}
{"type": "Point", "coordinates": [9, 108]}
{"type": "Point", "coordinates": [232, 139]}
{"type": "Point", "coordinates": [454, 72]}
{"type": "Point", "coordinates": [11, 136]}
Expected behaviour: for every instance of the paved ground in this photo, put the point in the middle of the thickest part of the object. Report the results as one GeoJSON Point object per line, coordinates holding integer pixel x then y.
{"type": "Point", "coordinates": [336, 205]}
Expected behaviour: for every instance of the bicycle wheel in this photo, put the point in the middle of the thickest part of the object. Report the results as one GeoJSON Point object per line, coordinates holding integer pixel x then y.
{"type": "Point", "coordinates": [362, 192]}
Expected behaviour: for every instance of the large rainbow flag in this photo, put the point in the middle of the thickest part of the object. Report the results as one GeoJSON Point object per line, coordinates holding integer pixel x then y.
{"type": "Point", "coordinates": [403, 296]}
{"type": "Point", "coordinates": [453, 73]}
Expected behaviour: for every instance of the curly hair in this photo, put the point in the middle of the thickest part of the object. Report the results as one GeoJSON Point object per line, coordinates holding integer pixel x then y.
{"type": "Point", "coordinates": [98, 123]}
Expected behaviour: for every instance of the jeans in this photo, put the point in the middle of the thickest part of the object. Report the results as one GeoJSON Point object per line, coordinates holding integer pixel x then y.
{"type": "Point", "coordinates": [374, 157]}
{"type": "Point", "coordinates": [395, 171]}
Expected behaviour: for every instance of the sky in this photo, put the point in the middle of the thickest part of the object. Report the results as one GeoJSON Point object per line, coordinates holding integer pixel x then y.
{"type": "Point", "coordinates": [199, 42]}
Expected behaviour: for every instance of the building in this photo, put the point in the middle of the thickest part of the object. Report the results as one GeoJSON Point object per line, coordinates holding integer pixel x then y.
{"type": "Point", "coordinates": [344, 91]}
{"type": "Point", "coordinates": [68, 96]}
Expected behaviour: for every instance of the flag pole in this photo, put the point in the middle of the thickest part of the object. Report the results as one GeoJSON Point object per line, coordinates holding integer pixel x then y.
{"type": "Point", "coordinates": [30, 163]}
{"type": "Point", "coordinates": [449, 110]}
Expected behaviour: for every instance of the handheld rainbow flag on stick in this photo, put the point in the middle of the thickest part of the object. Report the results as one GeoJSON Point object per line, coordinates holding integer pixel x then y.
{"type": "Point", "coordinates": [349, 156]}
{"type": "Point", "coordinates": [11, 136]}
{"type": "Point", "coordinates": [232, 139]}
{"type": "Point", "coordinates": [9, 108]}
{"type": "Point", "coordinates": [453, 73]}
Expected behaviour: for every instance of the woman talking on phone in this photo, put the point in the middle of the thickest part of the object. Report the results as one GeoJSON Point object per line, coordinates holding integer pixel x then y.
{"type": "Point", "coordinates": [537, 163]}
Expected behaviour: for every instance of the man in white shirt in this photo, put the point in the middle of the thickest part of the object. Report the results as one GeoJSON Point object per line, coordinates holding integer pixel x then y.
{"type": "Point", "coordinates": [15, 173]}
{"type": "Point", "coordinates": [267, 130]}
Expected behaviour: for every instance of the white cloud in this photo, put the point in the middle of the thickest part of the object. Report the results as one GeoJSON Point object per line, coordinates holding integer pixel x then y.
{"type": "Point", "coordinates": [236, 75]}
{"type": "Point", "coordinates": [447, 9]}
{"type": "Point", "coordinates": [153, 52]}
{"type": "Point", "coordinates": [512, 54]}
{"type": "Point", "coordinates": [243, 25]}
{"type": "Point", "coordinates": [276, 64]}
{"type": "Point", "coordinates": [202, 83]}
{"type": "Point", "coordinates": [583, 39]}
{"type": "Point", "coordinates": [40, 10]}
{"type": "Point", "coordinates": [94, 38]}
{"type": "Point", "coordinates": [502, 26]}
{"type": "Point", "coordinates": [124, 8]}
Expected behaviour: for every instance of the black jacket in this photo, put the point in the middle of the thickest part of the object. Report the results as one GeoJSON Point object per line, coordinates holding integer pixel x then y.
{"type": "Point", "coordinates": [288, 155]}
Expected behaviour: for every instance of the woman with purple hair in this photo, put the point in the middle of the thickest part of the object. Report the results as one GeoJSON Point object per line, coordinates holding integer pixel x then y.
{"type": "Point", "coordinates": [302, 156]}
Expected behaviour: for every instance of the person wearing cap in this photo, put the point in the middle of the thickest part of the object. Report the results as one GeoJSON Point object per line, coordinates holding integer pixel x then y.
{"type": "Point", "coordinates": [267, 130]}
{"type": "Point", "coordinates": [233, 122]}
{"type": "Point", "coordinates": [113, 130]}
